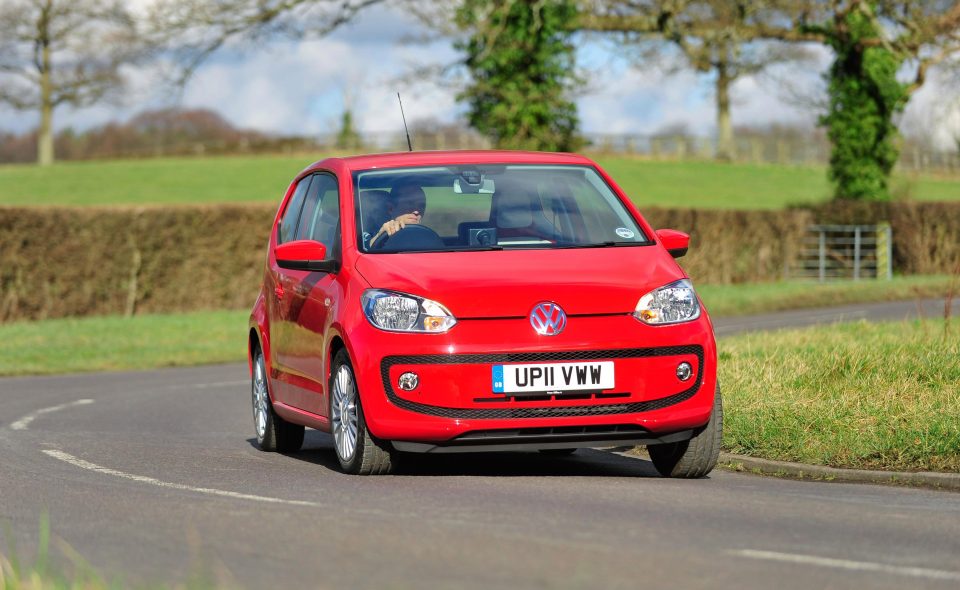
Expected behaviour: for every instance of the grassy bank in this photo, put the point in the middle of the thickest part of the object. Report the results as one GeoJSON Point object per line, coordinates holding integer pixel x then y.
{"type": "Point", "coordinates": [120, 344]}
{"type": "Point", "coordinates": [150, 341]}
{"type": "Point", "coordinates": [263, 178]}
{"type": "Point", "coordinates": [859, 395]}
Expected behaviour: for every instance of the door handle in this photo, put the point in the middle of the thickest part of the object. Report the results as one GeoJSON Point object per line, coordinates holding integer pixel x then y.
{"type": "Point", "coordinates": [278, 290]}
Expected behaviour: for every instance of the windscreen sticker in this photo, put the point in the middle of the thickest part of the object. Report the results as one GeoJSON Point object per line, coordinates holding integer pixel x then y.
{"type": "Point", "coordinates": [625, 233]}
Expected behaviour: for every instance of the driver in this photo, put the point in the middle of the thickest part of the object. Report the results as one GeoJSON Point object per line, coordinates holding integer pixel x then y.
{"type": "Point", "coordinates": [408, 203]}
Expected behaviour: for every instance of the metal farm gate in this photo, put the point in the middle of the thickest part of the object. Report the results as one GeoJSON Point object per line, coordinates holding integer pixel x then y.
{"type": "Point", "coordinates": [831, 252]}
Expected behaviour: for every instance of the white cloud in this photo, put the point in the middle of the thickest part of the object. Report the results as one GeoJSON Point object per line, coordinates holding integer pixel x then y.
{"type": "Point", "coordinates": [933, 113]}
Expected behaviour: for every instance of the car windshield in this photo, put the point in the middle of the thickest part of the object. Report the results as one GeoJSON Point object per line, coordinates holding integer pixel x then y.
{"type": "Point", "coordinates": [489, 207]}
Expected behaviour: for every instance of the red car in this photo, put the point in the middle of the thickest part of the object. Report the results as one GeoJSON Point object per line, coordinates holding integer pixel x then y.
{"type": "Point", "coordinates": [478, 301]}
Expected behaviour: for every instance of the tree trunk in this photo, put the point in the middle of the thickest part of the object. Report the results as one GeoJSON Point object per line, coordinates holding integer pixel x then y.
{"type": "Point", "coordinates": [45, 132]}
{"type": "Point", "coordinates": [725, 147]}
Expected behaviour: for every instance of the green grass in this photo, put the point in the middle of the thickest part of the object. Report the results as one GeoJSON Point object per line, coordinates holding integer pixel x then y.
{"type": "Point", "coordinates": [39, 574]}
{"type": "Point", "coordinates": [150, 341]}
{"type": "Point", "coordinates": [859, 395]}
{"type": "Point", "coordinates": [66, 569]}
{"type": "Point", "coordinates": [264, 178]}
{"type": "Point", "coordinates": [149, 182]}
{"type": "Point", "coordinates": [117, 343]}
{"type": "Point", "coordinates": [751, 298]}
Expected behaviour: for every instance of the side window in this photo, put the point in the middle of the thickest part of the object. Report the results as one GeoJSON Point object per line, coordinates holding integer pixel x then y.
{"type": "Point", "coordinates": [320, 220]}
{"type": "Point", "coordinates": [288, 224]}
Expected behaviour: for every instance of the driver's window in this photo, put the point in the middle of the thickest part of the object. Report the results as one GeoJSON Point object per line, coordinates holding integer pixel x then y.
{"type": "Point", "coordinates": [320, 219]}
{"type": "Point", "coordinates": [288, 225]}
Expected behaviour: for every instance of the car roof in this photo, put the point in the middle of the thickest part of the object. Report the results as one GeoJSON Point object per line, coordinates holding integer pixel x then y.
{"type": "Point", "coordinates": [448, 158]}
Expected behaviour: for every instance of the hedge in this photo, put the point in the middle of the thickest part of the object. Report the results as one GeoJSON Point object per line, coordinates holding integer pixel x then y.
{"type": "Point", "coordinates": [58, 262]}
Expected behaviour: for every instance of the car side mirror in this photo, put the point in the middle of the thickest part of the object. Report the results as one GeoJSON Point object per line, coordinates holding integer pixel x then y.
{"type": "Point", "coordinates": [305, 255]}
{"type": "Point", "coordinates": [676, 242]}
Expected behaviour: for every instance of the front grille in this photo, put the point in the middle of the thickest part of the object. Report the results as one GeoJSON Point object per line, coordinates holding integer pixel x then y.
{"type": "Point", "coordinates": [547, 411]}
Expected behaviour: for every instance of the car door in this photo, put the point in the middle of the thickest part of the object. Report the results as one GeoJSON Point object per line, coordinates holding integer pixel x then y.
{"type": "Point", "coordinates": [310, 298]}
{"type": "Point", "coordinates": [279, 303]}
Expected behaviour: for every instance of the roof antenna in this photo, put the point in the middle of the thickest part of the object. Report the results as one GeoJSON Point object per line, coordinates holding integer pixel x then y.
{"type": "Point", "coordinates": [409, 144]}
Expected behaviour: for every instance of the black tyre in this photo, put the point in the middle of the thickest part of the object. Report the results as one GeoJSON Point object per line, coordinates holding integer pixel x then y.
{"type": "Point", "coordinates": [274, 434]}
{"type": "Point", "coordinates": [695, 457]}
{"type": "Point", "coordinates": [357, 450]}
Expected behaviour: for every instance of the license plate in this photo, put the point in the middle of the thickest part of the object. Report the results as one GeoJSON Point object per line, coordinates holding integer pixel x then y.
{"type": "Point", "coordinates": [553, 377]}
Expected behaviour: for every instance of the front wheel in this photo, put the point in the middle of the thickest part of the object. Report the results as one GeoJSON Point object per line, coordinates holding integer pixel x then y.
{"type": "Point", "coordinates": [273, 432]}
{"type": "Point", "coordinates": [695, 457]}
{"type": "Point", "coordinates": [358, 451]}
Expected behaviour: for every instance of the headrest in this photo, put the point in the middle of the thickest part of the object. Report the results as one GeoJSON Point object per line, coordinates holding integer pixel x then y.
{"type": "Point", "coordinates": [515, 205]}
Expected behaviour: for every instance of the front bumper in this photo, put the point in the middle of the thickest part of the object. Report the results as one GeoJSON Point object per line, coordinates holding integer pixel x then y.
{"type": "Point", "coordinates": [455, 408]}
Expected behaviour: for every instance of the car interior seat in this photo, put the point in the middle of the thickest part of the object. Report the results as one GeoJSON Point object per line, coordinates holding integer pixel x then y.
{"type": "Point", "coordinates": [518, 213]}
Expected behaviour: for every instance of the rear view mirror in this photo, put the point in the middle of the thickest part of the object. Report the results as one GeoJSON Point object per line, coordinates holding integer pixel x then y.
{"type": "Point", "coordinates": [676, 242]}
{"type": "Point", "coordinates": [484, 187]}
{"type": "Point", "coordinates": [305, 255]}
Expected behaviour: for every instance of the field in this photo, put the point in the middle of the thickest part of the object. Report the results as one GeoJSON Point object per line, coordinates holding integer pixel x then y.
{"type": "Point", "coordinates": [263, 179]}
{"type": "Point", "coordinates": [859, 395]}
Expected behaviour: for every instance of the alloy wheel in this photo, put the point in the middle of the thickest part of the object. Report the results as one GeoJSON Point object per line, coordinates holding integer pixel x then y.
{"type": "Point", "coordinates": [261, 401]}
{"type": "Point", "coordinates": [344, 413]}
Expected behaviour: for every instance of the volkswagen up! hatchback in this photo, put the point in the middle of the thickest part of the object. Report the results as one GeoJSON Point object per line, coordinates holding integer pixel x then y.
{"type": "Point", "coordinates": [478, 301]}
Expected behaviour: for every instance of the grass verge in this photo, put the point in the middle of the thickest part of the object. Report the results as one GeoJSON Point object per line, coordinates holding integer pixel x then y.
{"type": "Point", "coordinates": [858, 395]}
{"type": "Point", "coordinates": [701, 184]}
{"type": "Point", "coordinates": [118, 343]}
{"type": "Point", "coordinates": [68, 570]}
{"type": "Point", "coordinates": [39, 574]}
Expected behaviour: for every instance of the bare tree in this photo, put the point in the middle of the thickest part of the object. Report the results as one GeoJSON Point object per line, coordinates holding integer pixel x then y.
{"type": "Point", "coordinates": [56, 52]}
{"type": "Point", "coordinates": [727, 38]}
{"type": "Point", "coordinates": [192, 30]}
{"type": "Point", "coordinates": [924, 32]}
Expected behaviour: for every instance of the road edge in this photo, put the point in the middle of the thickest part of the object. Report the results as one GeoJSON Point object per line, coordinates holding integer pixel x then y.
{"type": "Point", "coordinates": [929, 479]}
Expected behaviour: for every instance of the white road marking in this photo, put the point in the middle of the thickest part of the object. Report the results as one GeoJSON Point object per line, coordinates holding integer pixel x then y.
{"type": "Point", "coordinates": [860, 566]}
{"type": "Point", "coordinates": [76, 461]}
{"type": "Point", "coordinates": [22, 423]}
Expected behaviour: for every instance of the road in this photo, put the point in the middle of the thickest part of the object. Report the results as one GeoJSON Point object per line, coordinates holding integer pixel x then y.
{"type": "Point", "coordinates": [154, 476]}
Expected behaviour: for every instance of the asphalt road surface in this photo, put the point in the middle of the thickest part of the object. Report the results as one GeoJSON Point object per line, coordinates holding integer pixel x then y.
{"type": "Point", "coordinates": [153, 476]}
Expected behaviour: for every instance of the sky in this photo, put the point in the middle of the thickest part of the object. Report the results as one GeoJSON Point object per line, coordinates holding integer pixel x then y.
{"type": "Point", "coordinates": [303, 87]}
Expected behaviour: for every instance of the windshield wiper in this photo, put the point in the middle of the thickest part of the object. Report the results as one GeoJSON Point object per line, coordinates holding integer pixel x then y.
{"type": "Point", "coordinates": [435, 250]}
{"type": "Point", "coordinates": [609, 244]}
{"type": "Point", "coordinates": [475, 249]}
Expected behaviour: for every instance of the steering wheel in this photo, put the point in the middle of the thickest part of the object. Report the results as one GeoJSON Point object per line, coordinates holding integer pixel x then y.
{"type": "Point", "coordinates": [379, 241]}
{"type": "Point", "coordinates": [412, 237]}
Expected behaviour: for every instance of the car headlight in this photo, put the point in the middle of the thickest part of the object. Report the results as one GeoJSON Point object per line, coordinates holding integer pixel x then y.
{"type": "Point", "coordinates": [672, 304]}
{"type": "Point", "coordinates": [398, 312]}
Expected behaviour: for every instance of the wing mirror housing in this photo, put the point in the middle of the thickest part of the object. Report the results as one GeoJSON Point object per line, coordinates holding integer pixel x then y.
{"type": "Point", "coordinates": [676, 242]}
{"type": "Point", "coordinates": [305, 255]}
